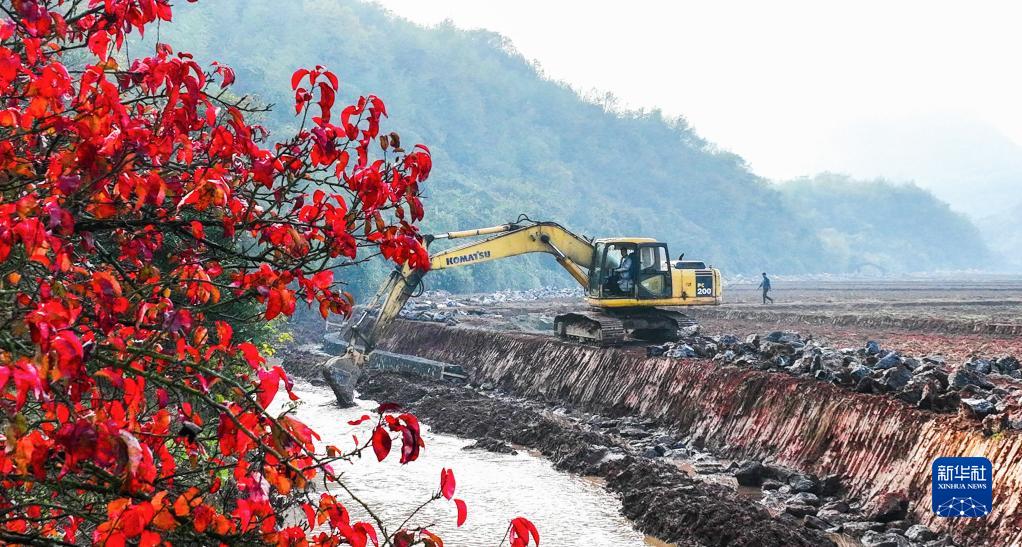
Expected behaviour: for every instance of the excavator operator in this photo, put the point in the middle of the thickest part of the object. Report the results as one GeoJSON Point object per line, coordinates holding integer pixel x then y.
{"type": "Point", "coordinates": [623, 273]}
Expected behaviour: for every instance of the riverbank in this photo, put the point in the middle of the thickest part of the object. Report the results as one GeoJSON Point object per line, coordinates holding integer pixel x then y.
{"type": "Point", "coordinates": [659, 497]}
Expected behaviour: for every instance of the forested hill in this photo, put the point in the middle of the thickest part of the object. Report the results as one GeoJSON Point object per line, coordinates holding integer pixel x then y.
{"type": "Point", "coordinates": [875, 226]}
{"type": "Point", "coordinates": [507, 141]}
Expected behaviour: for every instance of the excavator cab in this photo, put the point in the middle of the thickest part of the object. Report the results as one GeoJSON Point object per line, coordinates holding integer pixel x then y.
{"type": "Point", "coordinates": [630, 269]}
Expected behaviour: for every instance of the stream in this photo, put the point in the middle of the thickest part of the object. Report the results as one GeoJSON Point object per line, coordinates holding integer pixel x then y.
{"type": "Point", "coordinates": [567, 509]}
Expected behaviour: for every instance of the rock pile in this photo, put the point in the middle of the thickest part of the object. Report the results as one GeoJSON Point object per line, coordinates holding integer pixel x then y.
{"type": "Point", "coordinates": [436, 308]}
{"type": "Point", "coordinates": [980, 389]}
{"type": "Point", "coordinates": [528, 295]}
{"type": "Point", "coordinates": [818, 503]}
{"type": "Point", "coordinates": [443, 307]}
{"type": "Point", "coordinates": [883, 521]}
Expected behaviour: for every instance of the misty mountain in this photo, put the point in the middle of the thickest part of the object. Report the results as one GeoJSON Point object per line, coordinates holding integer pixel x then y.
{"type": "Point", "coordinates": [966, 163]}
{"type": "Point", "coordinates": [1003, 233]}
{"type": "Point", "coordinates": [506, 141]}
{"type": "Point", "coordinates": [877, 225]}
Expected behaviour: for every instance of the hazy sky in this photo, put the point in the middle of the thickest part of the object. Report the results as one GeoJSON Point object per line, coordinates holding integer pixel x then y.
{"type": "Point", "coordinates": [777, 82]}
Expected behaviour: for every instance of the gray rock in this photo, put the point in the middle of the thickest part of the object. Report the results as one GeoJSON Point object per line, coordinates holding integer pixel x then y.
{"type": "Point", "coordinates": [805, 498]}
{"type": "Point", "coordinates": [727, 340]}
{"type": "Point", "coordinates": [802, 483]}
{"type": "Point", "coordinates": [833, 516]}
{"type": "Point", "coordinates": [976, 408]}
{"type": "Point", "coordinates": [771, 484]}
{"type": "Point", "coordinates": [936, 375]}
{"type": "Point", "coordinates": [981, 366]}
{"type": "Point", "coordinates": [656, 351]}
{"type": "Point", "coordinates": [896, 377]}
{"type": "Point", "coordinates": [841, 506]}
{"type": "Point", "coordinates": [799, 510]}
{"type": "Point", "coordinates": [830, 485]}
{"type": "Point", "coordinates": [886, 539]}
{"type": "Point", "coordinates": [1008, 364]}
{"type": "Point", "coordinates": [815, 523]}
{"type": "Point", "coordinates": [964, 376]}
{"type": "Point", "coordinates": [727, 356]}
{"type": "Point", "coordinates": [995, 423]}
{"type": "Point", "coordinates": [919, 533]}
{"type": "Point", "coordinates": [897, 526]}
{"type": "Point", "coordinates": [824, 376]}
{"type": "Point", "coordinates": [858, 372]}
{"type": "Point", "coordinates": [784, 337]}
{"type": "Point", "coordinates": [800, 366]}
{"type": "Point", "coordinates": [752, 340]}
{"type": "Point", "coordinates": [859, 527]}
{"type": "Point", "coordinates": [633, 432]}
{"type": "Point", "coordinates": [750, 473]}
{"type": "Point", "coordinates": [872, 347]}
{"type": "Point", "coordinates": [681, 351]}
{"type": "Point", "coordinates": [890, 360]}
{"type": "Point", "coordinates": [888, 507]}
{"type": "Point", "coordinates": [870, 385]}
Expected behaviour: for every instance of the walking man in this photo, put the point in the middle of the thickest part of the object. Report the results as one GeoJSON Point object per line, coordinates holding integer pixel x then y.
{"type": "Point", "coordinates": [765, 285]}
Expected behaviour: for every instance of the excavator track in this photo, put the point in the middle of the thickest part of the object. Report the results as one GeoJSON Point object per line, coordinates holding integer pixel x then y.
{"type": "Point", "coordinates": [590, 327]}
{"type": "Point", "coordinates": [685, 323]}
{"type": "Point", "coordinates": [614, 327]}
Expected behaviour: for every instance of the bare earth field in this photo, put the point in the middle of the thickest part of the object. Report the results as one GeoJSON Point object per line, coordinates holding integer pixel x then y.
{"type": "Point", "coordinates": [954, 318]}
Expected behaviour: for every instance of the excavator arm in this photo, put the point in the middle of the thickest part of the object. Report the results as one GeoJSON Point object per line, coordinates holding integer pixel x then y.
{"type": "Point", "coordinates": [573, 252]}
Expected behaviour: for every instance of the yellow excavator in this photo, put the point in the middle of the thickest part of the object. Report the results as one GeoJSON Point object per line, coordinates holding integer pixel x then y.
{"type": "Point", "coordinates": [628, 283]}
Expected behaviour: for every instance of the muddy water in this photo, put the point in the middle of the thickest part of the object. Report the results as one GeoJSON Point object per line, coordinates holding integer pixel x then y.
{"type": "Point", "coordinates": [568, 510]}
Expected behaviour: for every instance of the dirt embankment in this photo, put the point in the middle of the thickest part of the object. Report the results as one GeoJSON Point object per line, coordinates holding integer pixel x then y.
{"type": "Point", "coordinates": [878, 445]}
{"type": "Point", "coordinates": [661, 499]}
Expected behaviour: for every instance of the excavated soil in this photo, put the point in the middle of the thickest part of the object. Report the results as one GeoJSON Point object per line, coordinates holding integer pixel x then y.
{"type": "Point", "coordinates": [662, 500]}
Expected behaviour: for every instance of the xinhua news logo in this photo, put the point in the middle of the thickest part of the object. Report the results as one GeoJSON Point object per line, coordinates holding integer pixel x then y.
{"type": "Point", "coordinates": [962, 487]}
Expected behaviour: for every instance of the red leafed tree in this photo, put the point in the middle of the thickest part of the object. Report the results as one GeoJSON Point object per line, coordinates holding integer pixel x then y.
{"type": "Point", "coordinates": [141, 220]}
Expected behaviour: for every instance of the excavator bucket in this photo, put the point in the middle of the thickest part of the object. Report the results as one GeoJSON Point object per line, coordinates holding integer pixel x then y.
{"type": "Point", "coordinates": [342, 373]}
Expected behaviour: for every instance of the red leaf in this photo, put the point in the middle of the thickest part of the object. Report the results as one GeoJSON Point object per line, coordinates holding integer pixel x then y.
{"type": "Point", "coordinates": [521, 529]}
{"type": "Point", "coordinates": [251, 354]}
{"type": "Point", "coordinates": [447, 483]}
{"type": "Point", "coordinates": [381, 443]}
{"type": "Point", "coordinates": [359, 421]}
{"type": "Point", "coordinates": [99, 42]}
{"type": "Point", "coordinates": [326, 100]}
{"type": "Point", "coordinates": [462, 511]}
{"type": "Point", "coordinates": [296, 78]}
{"type": "Point", "coordinates": [368, 530]}
{"type": "Point", "coordinates": [275, 304]}
{"type": "Point", "coordinates": [387, 407]}
{"type": "Point", "coordinates": [310, 514]}
{"type": "Point", "coordinates": [333, 79]}
{"type": "Point", "coordinates": [269, 383]}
